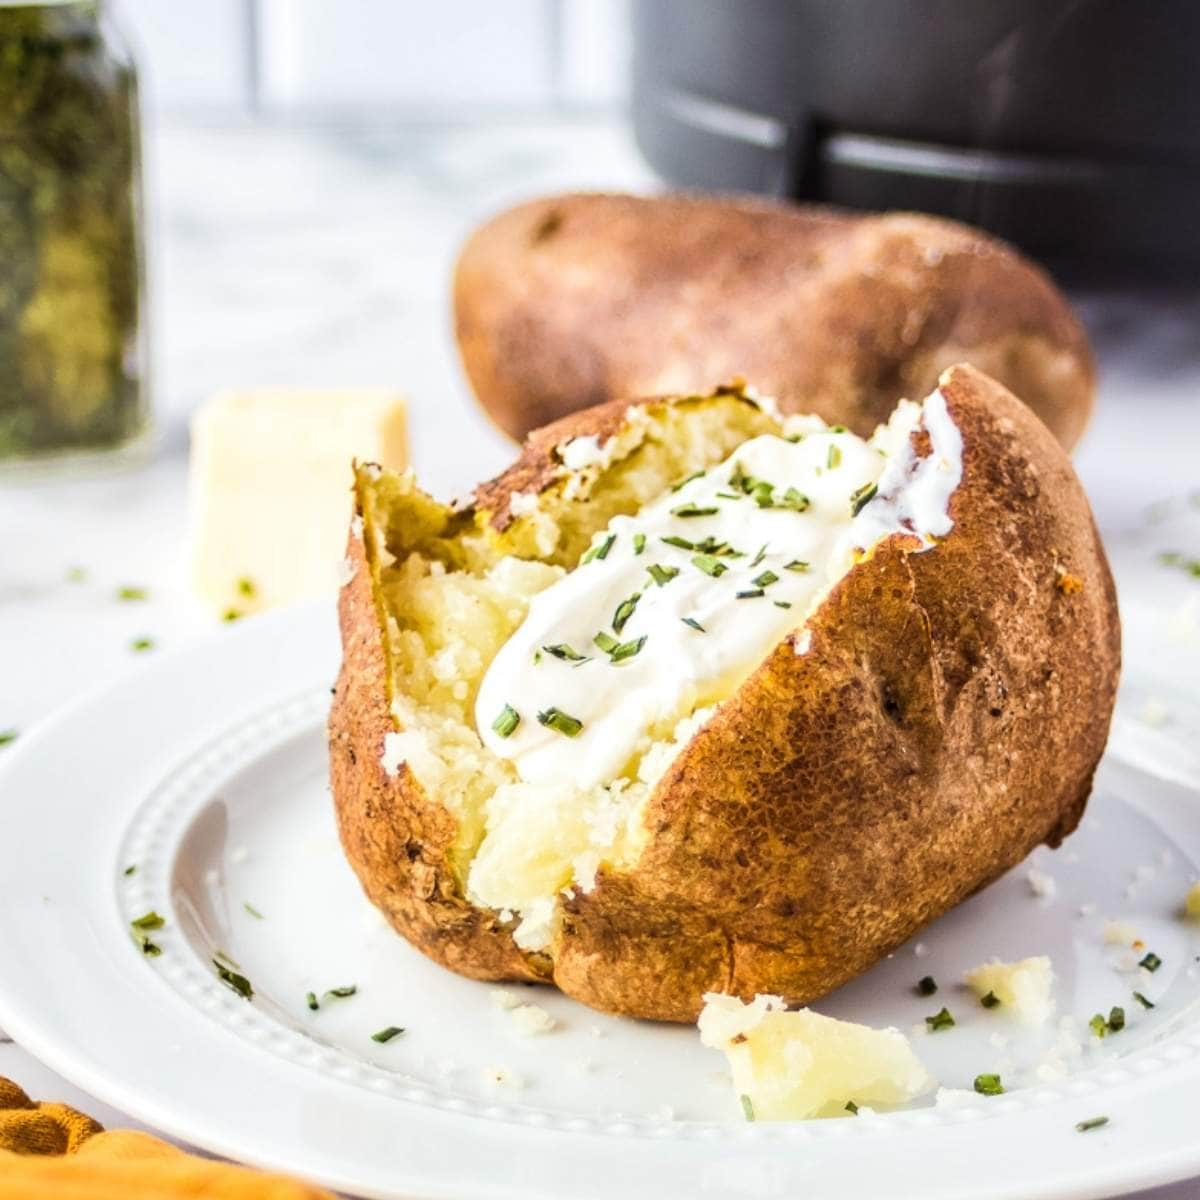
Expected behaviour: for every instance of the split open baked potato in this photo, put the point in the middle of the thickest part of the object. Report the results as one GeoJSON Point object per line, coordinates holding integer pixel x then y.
{"type": "Point", "coordinates": [914, 703]}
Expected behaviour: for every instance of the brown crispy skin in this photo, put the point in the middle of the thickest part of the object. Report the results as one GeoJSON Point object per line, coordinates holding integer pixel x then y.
{"type": "Point", "coordinates": [947, 717]}
{"type": "Point", "coordinates": [574, 300]}
{"type": "Point", "coordinates": [394, 835]}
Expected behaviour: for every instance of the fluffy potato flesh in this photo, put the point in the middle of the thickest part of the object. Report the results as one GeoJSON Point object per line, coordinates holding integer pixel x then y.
{"type": "Point", "coordinates": [791, 1065]}
{"type": "Point", "coordinates": [1024, 989]}
{"type": "Point", "coordinates": [535, 822]}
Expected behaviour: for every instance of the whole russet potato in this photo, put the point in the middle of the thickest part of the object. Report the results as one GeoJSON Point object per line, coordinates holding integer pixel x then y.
{"type": "Point", "coordinates": [574, 300]}
{"type": "Point", "coordinates": [939, 715]}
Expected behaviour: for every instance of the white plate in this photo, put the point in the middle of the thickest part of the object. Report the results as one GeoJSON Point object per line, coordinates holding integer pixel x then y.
{"type": "Point", "coordinates": [207, 771]}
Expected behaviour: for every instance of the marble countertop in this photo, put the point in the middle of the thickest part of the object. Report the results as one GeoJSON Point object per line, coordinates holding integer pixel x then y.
{"type": "Point", "coordinates": [322, 256]}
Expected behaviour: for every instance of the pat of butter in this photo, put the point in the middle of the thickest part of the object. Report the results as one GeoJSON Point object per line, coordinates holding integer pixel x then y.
{"type": "Point", "coordinates": [270, 487]}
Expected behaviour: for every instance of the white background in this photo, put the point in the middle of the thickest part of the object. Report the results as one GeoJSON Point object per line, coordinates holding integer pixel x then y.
{"type": "Point", "coordinates": [324, 57]}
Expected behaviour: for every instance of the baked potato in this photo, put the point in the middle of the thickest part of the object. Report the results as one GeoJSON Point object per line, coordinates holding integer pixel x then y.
{"type": "Point", "coordinates": [574, 300]}
{"type": "Point", "coordinates": [646, 718]}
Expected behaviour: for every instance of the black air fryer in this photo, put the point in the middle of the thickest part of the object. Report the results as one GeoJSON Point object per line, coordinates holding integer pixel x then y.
{"type": "Point", "coordinates": [1070, 128]}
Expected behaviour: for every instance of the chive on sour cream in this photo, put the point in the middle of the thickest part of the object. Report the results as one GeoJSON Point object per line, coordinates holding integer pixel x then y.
{"type": "Point", "coordinates": [673, 607]}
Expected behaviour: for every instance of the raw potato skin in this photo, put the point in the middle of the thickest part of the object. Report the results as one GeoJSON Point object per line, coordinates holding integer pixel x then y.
{"type": "Point", "coordinates": [575, 300]}
{"type": "Point", "coordinates": [946, 717]}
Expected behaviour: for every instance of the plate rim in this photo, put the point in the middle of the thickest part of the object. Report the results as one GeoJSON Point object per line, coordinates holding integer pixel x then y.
{"type": "Point", "coordinates": [250, 648]}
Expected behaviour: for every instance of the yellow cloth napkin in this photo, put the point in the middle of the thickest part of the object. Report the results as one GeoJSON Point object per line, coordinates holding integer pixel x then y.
{"type": "Point", "coordinates": [52, 1152]}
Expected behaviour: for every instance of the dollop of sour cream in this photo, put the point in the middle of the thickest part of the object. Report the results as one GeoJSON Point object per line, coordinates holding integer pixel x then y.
{"type": "Point", "coordinates": [671, 608]}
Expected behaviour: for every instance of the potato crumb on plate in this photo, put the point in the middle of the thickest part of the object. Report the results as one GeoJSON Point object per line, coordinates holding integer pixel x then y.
{"type": "Point", "coordinates": [529, 1020]}
{"type": "Point", "coordinates": [1042, 885]}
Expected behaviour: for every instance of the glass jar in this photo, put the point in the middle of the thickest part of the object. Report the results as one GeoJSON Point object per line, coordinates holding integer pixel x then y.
{"type": "Point", "coordinates": [72, 345]}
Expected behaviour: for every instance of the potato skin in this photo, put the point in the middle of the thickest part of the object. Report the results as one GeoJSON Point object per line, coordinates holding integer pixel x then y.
{"type": "Point", "coordinates": [570, 301]}
{"type": "Point", "coordinates": [946, 717]}
{"type": "Point", "coordinates": [394, 834]}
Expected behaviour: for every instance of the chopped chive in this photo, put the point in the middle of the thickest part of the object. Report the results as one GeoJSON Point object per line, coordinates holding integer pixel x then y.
{"type": "Point", "coordinates": [991, 1000]}
{"type": "Point", "coordinates": [759, 489]}
{"type": "Point", "coordinates": [782, 603]}
{"type": "Point", "coordinates": [989, 1085]}
{"type": "Point", "coordinates": [130, 870]}
{"type": "Point", "coordinates": [694, 510]}
{"type": "Point", "coordinates": [132, 593]}
{"type": "Point", "coordinates": [678, 542]}
{"type": "Point", "coordinates": [837, 429]}
{"type": "Point", "coordinates": [765, 579]}
{"type": "Point", "coordinates": [861, 497]}
{"type": "Point", "coordinates": [1142, 1000]}
{"type": "Point", "coordinates": [246, 587]}
{"type": "Point", "coordinates": [762, 553]}
{"type": "Point", "coordinates": [234, 981]}
{"type": "Point", "coordinates": [252, 910]}
{"type": "Point", "coordinates": [662, 575]}
{"type": "Point", "coordinates": [222, 955]}
{"type": "Point", "coordinates": [709, 565]}
{"type": "Point", "coordinates": [1098, 1025]}
{"type": "Point", "coordinates": [750, 594]}
{"type": "Point", "coordinates": [76, 574]}
{"type": "Point", "coordinates": [795, 565]}
{"type": "Point", "coordinates": [639, 543]}
{"type": "Point", "coordinates": [628, 649]}
{"type": "Point", "coordinates": [852, 1108]}
{"type": "Point", "coordinates": [675, 487]}
{"type": "Point", "coordinates": [1172, 558]}
{"type": "Point", "coordinates": [386, 1035]}
{"type": "Point", "coordinates": [606, 642]}
{"type": "Point", "coordinates": [140, 928]}
{"type": "Point", "coordinates": [763, 494]}
{"type": "Point", "coordinates": [710, 545]}
{"type": "Point", "coordinates": [694, 624]}
{"type": "Point", "coordinates": [940, 1020]}
{"type": "Point", "coordinates": [834, 457]}
{"type": "Point", "coordinates": [1116, 1020]}
{"type": "Point", "coordinates": [1090, 1124]}
{"type": "Point", "coordinates": [747, 1107]}
{"type": "Point", "coordinates": [232, 614]}
{"type": "Point", "coordinates": [7, 736]}
{"type": "Point", "coordinates": [796, 501]}
{"type": "Point", "coordinates": [599, 550]}
{"type": "Point", "coordinates": [142, 643]}
{"type": "Point", "coordinates": [926, 985]}
{"type": "Point", "coordinates": [310, 998]}
{"type": "Point", "coordinates": [1151, 962]}
{"type": "Point", "coordinates": [730, 495]}
{"type": "Point", "coordinates": [340, 993]}
{"type": "Point", "coordinates": [564, 723]}
{"type": "Point", "coordinates": [508, 720]}
{"type": "Point", "coordinates": [565, 652]}
{"type": "Point", "coordinates": [625, 611]}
